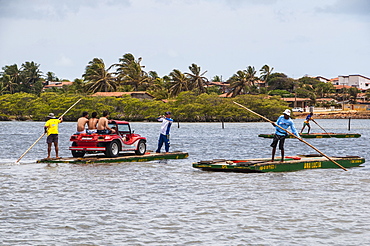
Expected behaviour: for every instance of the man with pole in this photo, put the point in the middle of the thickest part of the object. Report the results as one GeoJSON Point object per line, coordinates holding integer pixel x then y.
{"type": "Point", "coordinates": [285, 122]}
{"type": "Point", "coordinates": [307, 123]}
{"type": "Point", "coordinates": [299, 138]}
{"type": "Point", "coordinates": [45, 132]}
{"type": "Point", "coordinates": [51, 128]}
{"type": "Point", "coordinates": [164, 136]}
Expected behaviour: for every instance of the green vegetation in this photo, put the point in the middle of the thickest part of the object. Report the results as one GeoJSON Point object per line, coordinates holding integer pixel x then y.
{"type": "Point", "coordinates": [187, 107]}
{"type": "Point", "coordinates": [190, 95]}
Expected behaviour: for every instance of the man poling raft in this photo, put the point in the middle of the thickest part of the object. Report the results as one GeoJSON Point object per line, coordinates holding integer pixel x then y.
{"type": "Point", "coordinates": [307, 123]}
{"type": "Point", "coordinates": [300, 139]}
{"type": "Point", "coordinates": [45, 132]}
{"type": "Point", "coordinates": [283, 122]}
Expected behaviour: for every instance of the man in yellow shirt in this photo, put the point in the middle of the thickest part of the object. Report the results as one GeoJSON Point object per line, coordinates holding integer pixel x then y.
{"type": "Point", "coordinates": [51, 128]}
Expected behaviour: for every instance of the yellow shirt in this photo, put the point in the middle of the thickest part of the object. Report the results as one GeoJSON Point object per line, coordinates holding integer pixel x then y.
{"type": "Point", "coordinates": [52, 126]}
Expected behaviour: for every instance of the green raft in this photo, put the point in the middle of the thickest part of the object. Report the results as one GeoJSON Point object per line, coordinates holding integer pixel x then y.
{"type": "Point", "coordinates": [122, 158]}
{"type": "Point", "coordinates": [262, 165]}
{"type": "Point", "coordinates": [318, 135]}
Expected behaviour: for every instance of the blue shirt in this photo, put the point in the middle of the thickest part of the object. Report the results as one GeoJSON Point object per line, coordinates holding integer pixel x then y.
{"type": "Point", "coordinates": [308, 118]}
{"type": "Point", "coordinates": [285, 123]}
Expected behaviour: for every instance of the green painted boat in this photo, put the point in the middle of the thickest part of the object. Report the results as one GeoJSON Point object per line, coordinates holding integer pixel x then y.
{"type": "Point", "coordinates": [122, 158]}
{"type": "Point", "coordinates": [263, 165]}
{"type": "Point", "coordinates": [318, 135]}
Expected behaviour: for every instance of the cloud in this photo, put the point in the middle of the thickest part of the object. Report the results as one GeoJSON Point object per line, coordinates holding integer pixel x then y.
{"type": "Point", "coordinates": [221, 36]}
{"type": "Point", "coordinates": [352, 7]}
{"type": "Point", "coordinates": [50, 9]}
{"type": "Point", "coordinates": [64, 61]}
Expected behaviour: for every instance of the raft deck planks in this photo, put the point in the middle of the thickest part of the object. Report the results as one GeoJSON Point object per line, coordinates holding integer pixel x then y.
{"type": "Point", "coordinates": [121, 158]}
{"type": "Point", "coordinates": [262, 165]}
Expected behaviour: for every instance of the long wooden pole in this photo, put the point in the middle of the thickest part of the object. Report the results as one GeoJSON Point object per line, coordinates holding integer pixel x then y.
{"type": "Point", "coordinates": [300, 139]}
{"type": "Point", "coordinates": [45, 132]}
{"type": "Point", "coordinates": [321, 127]}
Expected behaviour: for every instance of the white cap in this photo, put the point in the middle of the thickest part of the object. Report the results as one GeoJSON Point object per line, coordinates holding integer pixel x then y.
{"type": "Point", "coordinates": [287, 112]}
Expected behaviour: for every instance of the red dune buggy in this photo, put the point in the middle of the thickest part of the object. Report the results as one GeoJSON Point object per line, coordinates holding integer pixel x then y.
{"type": "Point", "coordinates": [110, 144]}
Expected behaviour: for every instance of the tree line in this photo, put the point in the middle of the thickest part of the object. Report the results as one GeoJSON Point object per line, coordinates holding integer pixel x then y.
{"type": "Point", "coordinates": [130, 75]}
{"type": "Point", "coordinates": [188, 107]}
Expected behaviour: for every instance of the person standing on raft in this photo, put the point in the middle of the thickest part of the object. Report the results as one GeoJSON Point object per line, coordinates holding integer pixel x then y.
{"type": "Point", "coordinates": [164, 136]}
{"type": "Point", "coordinates": [285, 122]}
{"type": "Point", "coordinates": [51, 129]}
{"type": "Point", "coordinates": [307, 123]}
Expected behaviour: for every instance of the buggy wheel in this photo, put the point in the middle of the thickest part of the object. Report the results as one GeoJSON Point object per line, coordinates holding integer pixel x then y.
{"type": "Point", "coordinates": [141, 148]}
{"type": "Point", "coordinates": [77, 153]}
{"type": "Point", "coordinates": [112, 149]}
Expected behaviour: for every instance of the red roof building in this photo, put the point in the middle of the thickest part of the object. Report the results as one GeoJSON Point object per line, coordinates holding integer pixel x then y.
{"type": "Point", "coordinates": [133, 94]}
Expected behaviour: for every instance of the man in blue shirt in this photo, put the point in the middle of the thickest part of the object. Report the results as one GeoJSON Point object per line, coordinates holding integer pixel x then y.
{"type": "Point", "coordinates": [164, 137]}
{"type": "Point", "coordinates": [307, 123]}
{"type": "Point", "coordinates": [285, 122]}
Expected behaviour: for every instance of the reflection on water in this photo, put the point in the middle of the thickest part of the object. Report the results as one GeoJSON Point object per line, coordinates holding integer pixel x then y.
{"type": "Point", "coordinates": [170, 203]}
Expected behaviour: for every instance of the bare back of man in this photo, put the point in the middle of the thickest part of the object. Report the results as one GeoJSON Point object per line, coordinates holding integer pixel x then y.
{"type": "Point", "coordinates": [93, 122]}
{"type": "Point", "coordinates": [102, 123]}
{"type": "Point", "coordinates": [81, 123]}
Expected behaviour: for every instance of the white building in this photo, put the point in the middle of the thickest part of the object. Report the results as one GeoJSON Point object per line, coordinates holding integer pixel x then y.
{"type": "Point", "coordinates": [322, 79]}
{"type": "Point", "coordinates": [358, 81]}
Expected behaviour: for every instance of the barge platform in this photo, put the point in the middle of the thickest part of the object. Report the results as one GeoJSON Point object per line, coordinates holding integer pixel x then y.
{"type": "Point", "coordinates": [262, 165]}
{"type": "Point", "coordinates": [149, 156]}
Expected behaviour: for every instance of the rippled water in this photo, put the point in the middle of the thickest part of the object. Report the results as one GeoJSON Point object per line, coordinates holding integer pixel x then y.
{"type": "Point", "coordinates": [170, 203]}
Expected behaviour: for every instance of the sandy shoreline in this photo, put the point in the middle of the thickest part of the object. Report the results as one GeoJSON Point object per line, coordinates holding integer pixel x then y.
{"type": "Point", "coordinates": [353, 114]}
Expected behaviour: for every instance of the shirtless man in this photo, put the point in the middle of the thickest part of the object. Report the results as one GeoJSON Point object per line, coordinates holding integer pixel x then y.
{"type": "Point", "coordinates": [93, 122]}
{"type": "Point", "coordinates": [81, 122]}
{"type": "Point", "coordinates": [103, 127]}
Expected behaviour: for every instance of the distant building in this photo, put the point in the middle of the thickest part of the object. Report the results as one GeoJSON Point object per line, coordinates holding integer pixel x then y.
{"type": "Point", "coordinates": [322, 79]}
{"type": "Point", "coordinates": [339, 88]}
{"type": "Point", "coordinates": [223, 86]}
{"type": "Point", "coordinates": [133, 94]}
{"type": "Point", "coordinates": [297, 102]}
{"type": "Point", "coordinates": [358, 81]}
{"type": "Point", "coordinates": [334, 81]}
{"type": "Point", "coordinates": [326, 100]}
{"type": "Point", "coordinates": [57, 84]}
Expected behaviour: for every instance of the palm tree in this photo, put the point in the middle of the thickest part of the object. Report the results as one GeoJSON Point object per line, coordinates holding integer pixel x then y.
{"type": "Point", "coordinates": [157, 86]}
{"type": "Point", "coordinates": [7, 84]}
{"type": "Point", "coordinates": [251, 73]}
{"type": "Point", "coordinates": [77, 86]}
{"type": "Point", "coordinates": [50, 76]}
{"type": "Point", "coordinates": [30, 74]}
{"type": "Point", "coordinates": [2, 88]}
{"type": "Point", "coordinates": [15, 77]}
{"type": "Point", "coordinates": [217, 78]}
{"type": "Point", "coordinates": [130, 72]}
{"type": "Point", "coordinates": [353, 91]}
{"type": "Point", "coordinates": [99, 78]}
{"type": "Point", "coordinates": [265, 73]}
{"type": "Point", "coordinates": [178, 82]}
{"type": "Point", "coordinates": [328, 89]}
{"type": "Point", "coordinates": [196, 78]}
{"type": "Point", "coordinates": [239, 83]}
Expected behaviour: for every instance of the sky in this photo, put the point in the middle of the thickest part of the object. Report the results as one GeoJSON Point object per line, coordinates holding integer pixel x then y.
{"type": "Point", "coordinates": [298, 38]}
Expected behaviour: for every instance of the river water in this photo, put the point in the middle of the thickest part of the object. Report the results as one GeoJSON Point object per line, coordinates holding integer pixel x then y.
{"type": "Point", "coordinates": [170, 203]}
